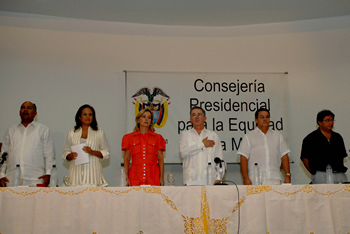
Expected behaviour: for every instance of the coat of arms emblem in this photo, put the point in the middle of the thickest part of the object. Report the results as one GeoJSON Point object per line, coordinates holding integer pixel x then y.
{"type": "Point", "coordinates": [159, 107]}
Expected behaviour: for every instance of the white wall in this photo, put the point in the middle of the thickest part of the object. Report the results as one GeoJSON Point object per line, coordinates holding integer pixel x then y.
{"type": "Point", "coordinates": [61, 64]}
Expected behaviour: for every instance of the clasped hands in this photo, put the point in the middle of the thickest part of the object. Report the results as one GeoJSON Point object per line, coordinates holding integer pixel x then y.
{"type": "Point", "coordinates": [74, 155]}
{"type": "Point", "coordinates": [208, 143]}
{"type": "Point", "coordinates": [46, 180]}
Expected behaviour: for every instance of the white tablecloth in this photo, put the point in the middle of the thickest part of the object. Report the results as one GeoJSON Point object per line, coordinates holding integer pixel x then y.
{"type": "Point", "coordinates": [197, 209]}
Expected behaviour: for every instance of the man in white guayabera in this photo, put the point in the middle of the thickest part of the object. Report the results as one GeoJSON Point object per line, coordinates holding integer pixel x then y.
{"type": "Point", "coordinates": [268, 149]}
{"type": "Point", "coordinates": [198, 147]}
{"type": "Point", "coordinates": [30, 145]}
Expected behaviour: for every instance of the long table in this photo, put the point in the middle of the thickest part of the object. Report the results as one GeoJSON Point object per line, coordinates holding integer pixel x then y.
{"type": "Point", "coordinates": [192, 209]}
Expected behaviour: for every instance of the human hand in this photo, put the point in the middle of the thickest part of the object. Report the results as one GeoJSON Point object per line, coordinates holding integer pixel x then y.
{"type": "Point", "coordinates": [46, 179]}
{"type": "Point", "coordinates": [161, 181]}
{"type": "Point", "coordinates": [287, 180]}
{"type": "Point", "coordinates": [87, 149]}
{"type": "Point", "coordinates": [3, 181]}
{"type": "Point", "coordinates": [208, 143]}
{"type": "Point", "coordinates": [72, 156]}
{"type": "Point", "coordinates": [217, 182]}
{"type": "Point", "coordinates": [247, 181]}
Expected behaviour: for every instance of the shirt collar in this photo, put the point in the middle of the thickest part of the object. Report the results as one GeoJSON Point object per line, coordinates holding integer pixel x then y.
{"type": "Point", "coordinates": [258, 130]}
{"type": "Point", "coordinates": [319, 131]}
{"type": "Point", "coordinates": [194, 130]}
{"type": "Point", "coordinates": [149, 132]}
{"type": "Point", "coordinates": [33, 123]}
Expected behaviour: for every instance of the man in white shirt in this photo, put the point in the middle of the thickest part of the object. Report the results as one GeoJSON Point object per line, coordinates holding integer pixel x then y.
{"type": "Point", "coordinates": [30, 145]}
{"type": "Point", "coordinates": [267, 148]}
{"type": "Point", "coordinates": [198, 147]}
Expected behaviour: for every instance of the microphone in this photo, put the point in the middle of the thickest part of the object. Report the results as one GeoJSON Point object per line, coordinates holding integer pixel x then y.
{"type": "Point", "coordinates": [218, 160]}
{"type": "Point", "coordinates": [3, 158]}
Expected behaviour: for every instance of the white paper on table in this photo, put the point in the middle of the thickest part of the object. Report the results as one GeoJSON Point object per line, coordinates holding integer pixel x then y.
{"type": "Point", "coordinates": [83, 157]}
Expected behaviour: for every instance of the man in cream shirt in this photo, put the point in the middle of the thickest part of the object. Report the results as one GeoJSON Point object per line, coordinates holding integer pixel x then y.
{"type": "Point", "coordinates": [199, 146]}
{"type": "Point", "coordinates": [30, 145]}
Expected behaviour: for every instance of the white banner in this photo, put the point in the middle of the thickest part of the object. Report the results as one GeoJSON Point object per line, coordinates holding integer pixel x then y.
{"type": "Point", "coordinates": [230, 101]}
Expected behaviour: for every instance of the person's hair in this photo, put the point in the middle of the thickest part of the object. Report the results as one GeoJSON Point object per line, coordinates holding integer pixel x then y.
{"type": "Point", "coordinates": [322, 114]}
{"type": "Point", "coordinates": [137, 126]}
{"type": "Point", "coordinates": [34, 106]}
{"type": "Point", "coordinates": [197, 107]}
{"type": "Point", "coordinates": [259, 110]}
{"type": "Point", "coordinates": [78, 123]}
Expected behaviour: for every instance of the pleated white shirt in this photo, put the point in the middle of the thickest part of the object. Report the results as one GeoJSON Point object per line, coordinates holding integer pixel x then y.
{"type": "Point", "coordinates": [88, 174]}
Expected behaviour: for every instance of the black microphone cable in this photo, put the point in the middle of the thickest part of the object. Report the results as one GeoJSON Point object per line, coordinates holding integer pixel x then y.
{"type": "Point", "coordinates": [239, 206]}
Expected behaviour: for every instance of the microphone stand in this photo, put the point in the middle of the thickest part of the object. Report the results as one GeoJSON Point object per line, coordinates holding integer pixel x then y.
{"type": "Point", "coordinates": [220, 171]}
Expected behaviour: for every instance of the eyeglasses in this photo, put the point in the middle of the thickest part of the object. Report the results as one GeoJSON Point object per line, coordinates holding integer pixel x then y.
{"type": "Point", "coordinates": [264, 117]}
{"type": "Point", "coordinates": [329, 120]}
{"type": "Point", "coordinates": [194, 115]}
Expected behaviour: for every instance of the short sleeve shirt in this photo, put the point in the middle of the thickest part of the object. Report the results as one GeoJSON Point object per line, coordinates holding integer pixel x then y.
{"type": "Point", "coordinates": [320, 152]}
{"type": "Point", "coordinates": [144, 154]}
{"type": "Point", "coordinates": [264, 149]}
